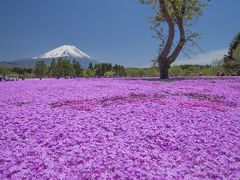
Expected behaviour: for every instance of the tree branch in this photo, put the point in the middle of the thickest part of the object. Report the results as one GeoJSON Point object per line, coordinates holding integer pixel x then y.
{"type": "Point", "coordinates": [182, 39]}
{"type": "Point", "coordinates": [167, 48]}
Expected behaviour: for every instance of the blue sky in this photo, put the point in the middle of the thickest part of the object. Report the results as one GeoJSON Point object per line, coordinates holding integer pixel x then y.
{"type": "Point", "coordinates": [107, 30]}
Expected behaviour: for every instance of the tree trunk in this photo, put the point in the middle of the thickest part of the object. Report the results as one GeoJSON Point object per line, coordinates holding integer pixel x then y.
{"type": "Point", "coordinates": [164, 67]}
{"type": "Point", "coordinates": [166, 56]}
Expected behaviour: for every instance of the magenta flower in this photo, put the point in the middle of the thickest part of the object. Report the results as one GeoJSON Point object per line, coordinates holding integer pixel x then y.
{"type": "Point", "coordinates": [118, 128]}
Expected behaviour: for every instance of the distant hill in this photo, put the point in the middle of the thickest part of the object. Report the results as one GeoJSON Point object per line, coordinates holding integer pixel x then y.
{"type": "Point", "coordinates": [66, 51]}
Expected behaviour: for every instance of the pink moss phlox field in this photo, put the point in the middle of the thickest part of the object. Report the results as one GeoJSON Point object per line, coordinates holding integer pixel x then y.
{"type": "Point", "coordinates": [115, 128]}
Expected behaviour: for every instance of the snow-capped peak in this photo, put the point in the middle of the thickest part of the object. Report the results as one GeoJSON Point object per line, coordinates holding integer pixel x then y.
{"type": "Point", "coordinates": [65, 51]}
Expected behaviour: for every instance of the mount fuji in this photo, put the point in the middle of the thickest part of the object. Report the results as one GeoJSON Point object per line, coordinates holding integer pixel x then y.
{"type": "Point", "coordinates": [66, 51]}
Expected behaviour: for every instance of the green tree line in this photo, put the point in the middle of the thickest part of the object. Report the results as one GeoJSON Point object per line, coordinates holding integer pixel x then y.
{"type": "Point", "coordinates": [231, 61]}
{"type": "Point", "coordinates": [66, 68]}
{"type": "Point", "coordinates": [26, 72]}
{"type": "Point", "coordinates": [58, 68]}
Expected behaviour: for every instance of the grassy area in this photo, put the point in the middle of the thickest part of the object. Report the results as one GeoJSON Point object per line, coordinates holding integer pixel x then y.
{"type": "Point", "coordinates": [183, 70]}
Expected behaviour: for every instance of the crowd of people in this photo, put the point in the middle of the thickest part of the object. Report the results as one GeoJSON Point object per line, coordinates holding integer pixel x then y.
{"type": "Point", "coordinates": [11, 78]}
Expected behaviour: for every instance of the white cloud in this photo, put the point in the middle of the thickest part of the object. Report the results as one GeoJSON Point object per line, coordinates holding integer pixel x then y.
{"type": "Point", "coordinates": [203, 58]}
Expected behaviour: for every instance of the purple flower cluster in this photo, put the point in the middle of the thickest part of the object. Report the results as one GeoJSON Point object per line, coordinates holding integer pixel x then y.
{"type": "Point", "coordinates": [115, 128]}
